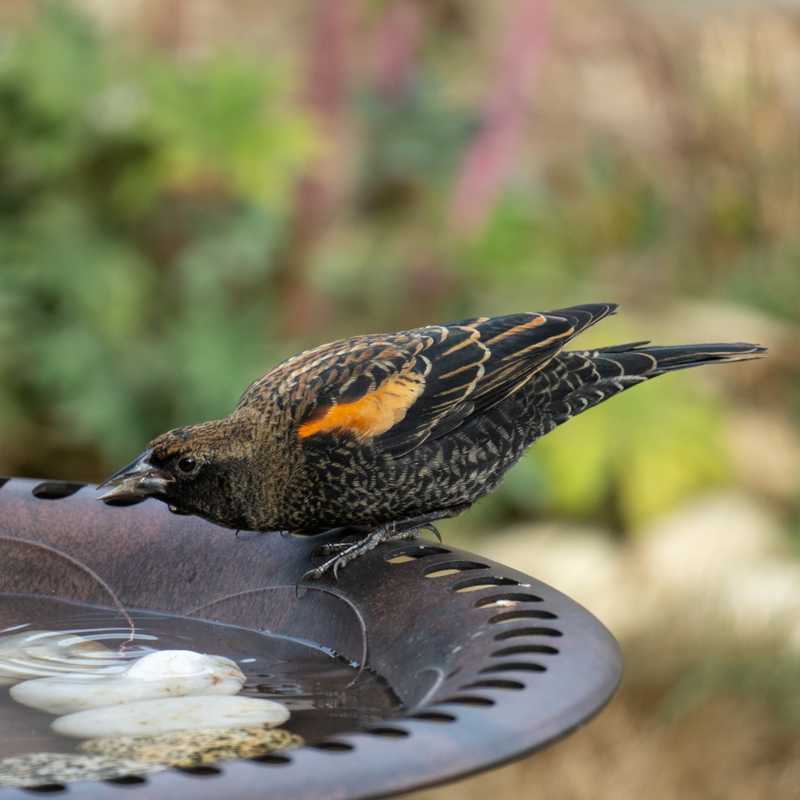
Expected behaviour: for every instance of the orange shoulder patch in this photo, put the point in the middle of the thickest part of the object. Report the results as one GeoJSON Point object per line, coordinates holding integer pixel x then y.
{"type": "Point", "coordinates": [371, 415]}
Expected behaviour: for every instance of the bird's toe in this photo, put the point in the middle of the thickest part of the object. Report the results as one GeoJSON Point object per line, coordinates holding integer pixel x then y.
{"type": "Point", "coordinates": [313, 574]}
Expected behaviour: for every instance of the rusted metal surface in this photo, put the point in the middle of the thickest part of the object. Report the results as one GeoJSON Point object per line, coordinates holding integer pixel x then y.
{"type": "Point", "coordinates": [485, 674]}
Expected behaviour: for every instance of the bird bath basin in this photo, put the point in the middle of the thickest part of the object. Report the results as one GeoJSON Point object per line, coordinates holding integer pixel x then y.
{"type": "Point", "coordinates": [422, 663]}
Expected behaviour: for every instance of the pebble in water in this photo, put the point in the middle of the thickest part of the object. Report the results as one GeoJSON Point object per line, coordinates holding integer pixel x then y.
{"type": "Point", "coordinates": [46, 769]}
{"type": "Point", "coordinates": [195, 748]}
{"type": "Point", "coordinates": [152, 717]}
{"type": "Point", "coordinates": [164, 663]}
{"type": "Point", "coordinates": [167, 673]}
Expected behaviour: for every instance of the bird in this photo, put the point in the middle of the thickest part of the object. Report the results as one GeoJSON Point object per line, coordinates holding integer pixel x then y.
{"type": "Point", "coordinates": [385, 434]}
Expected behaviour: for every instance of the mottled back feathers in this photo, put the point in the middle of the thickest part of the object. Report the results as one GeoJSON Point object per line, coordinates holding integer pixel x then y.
{"type": "Point", "coordinates": [399, 390]}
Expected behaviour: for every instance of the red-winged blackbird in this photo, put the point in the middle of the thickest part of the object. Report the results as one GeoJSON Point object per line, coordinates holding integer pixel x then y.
{"type": "Point", "coordinates": [390, 432]}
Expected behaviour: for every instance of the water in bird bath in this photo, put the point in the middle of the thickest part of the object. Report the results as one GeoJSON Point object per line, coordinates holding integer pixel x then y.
{"type": "Point", "coordinates": [324, 692]}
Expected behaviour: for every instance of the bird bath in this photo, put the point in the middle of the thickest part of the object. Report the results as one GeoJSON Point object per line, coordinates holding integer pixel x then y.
{"type": "Point", "coordinates": [422, 663]}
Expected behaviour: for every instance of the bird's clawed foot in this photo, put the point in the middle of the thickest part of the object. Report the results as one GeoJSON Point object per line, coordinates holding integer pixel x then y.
{"type": "Point", "coordinates": [342, 553]}
{"type": "Point", "coordinates": [339, 554]}
{"type": "Point", "coordinates": [428, 526]}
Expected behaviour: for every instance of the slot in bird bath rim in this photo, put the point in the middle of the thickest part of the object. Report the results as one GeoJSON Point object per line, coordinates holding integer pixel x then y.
{"type": "Point", "coordinates": [490, 664]}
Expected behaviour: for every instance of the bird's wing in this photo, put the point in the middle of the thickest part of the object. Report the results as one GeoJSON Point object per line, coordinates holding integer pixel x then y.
{"type": "Point", "coordinates": [397, 390]}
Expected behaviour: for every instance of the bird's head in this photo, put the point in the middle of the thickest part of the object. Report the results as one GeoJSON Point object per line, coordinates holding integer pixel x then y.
{"type": "Point", "coordinates": [200, 469]}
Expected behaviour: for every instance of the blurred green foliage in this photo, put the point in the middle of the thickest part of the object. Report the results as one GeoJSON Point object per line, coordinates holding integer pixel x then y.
{"type": "Point", "coordinates": [141, 201]}
{"type": "Point", "coordinates": [156, 254]}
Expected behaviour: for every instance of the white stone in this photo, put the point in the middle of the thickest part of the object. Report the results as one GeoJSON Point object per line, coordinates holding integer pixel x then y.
{"type": "Point", "coordinates": [168, 673]}
{"type": "Point", "coordinates": [151, 717]}
{"type": "Point", "coordinates": [166, 663]}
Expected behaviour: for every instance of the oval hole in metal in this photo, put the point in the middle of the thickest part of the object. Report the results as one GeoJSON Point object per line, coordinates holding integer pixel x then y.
{"type": "Point", "coordinates": [452, 568]}
{"type": "Point", "coordinates": [519, 632]}
{"type": "Point", "coordinates": [123, 503]}
{"type": "Point", "coordinates": [56, 490]}
{"type": "Point", "coordinates": [510, 616]}
{"type": "Point", "coordinates": [415, 553]}
{"type": "Point", "coordinates": [546, 649]}
{"type": "Point", "coordinates": [468, 700]}
{"type": "Point", "coordinates": [201, 772]}
{"type": "Point", "coordinates": [515, 666]}
{"type": "Point", "coordinates": [495, 683]}
{"type": "Point", "coordinates": [333, 746]}
{"type": "Point", "coordinates": [507, 599]}
{"type": "Point", "coordinates": [272, 760]}
{"type": "Point", "coordinates": [389, 733]}
{"type": "Point", "coordinates": [401, 559]}
{"type": "Point", "coordinates": [487, 582]}
{"type": "Point", "coordinates": [433, 716]}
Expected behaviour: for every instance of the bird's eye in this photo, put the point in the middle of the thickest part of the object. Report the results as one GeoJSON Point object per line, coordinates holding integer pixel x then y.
{"type": "Point", "coordinates": [187, 465]}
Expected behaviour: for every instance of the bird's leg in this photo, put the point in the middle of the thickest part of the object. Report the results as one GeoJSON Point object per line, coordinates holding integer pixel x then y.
{"type": "Point", "coordinates": [352, 550]}
{"type": "Point", "coordinates": [333, 548]}
{"type": "Point", "coordinates": [342, 553]}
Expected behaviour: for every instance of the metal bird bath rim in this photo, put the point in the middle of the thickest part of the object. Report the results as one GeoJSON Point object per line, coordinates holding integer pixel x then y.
{"type": "Point", "coordinates": [489, 663]}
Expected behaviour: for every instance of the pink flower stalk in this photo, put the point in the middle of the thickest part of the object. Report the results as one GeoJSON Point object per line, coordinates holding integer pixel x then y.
{"type": "Point", "coordinates": [397, 40]}
{"type": "Point", "coordinates": [490, 159]}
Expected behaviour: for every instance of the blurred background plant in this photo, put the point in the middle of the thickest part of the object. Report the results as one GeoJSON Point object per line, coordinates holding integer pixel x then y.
{"type": "Point", "coordinates": [191, 191]}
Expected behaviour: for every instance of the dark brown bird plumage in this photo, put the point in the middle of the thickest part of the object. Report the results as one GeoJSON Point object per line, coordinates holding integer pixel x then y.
{"type": "Point", "coordinates": [389, 432]}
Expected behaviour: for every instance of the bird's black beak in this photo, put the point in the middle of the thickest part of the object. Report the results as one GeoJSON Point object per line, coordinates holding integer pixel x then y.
{"type": "Point", "coordinates": [136, 481]}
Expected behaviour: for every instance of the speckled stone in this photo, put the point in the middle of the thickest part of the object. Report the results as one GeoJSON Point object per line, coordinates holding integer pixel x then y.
{"type": "Point", "coordinates": [195, 748]}
{"type": "Point", "coordinates": [41, 769]}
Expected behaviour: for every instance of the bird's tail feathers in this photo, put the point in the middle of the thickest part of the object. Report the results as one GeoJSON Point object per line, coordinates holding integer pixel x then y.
{"type": "Point", "coordinates": [579, 380]}
{"type": "Point", "coordinates": [683, 356]}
